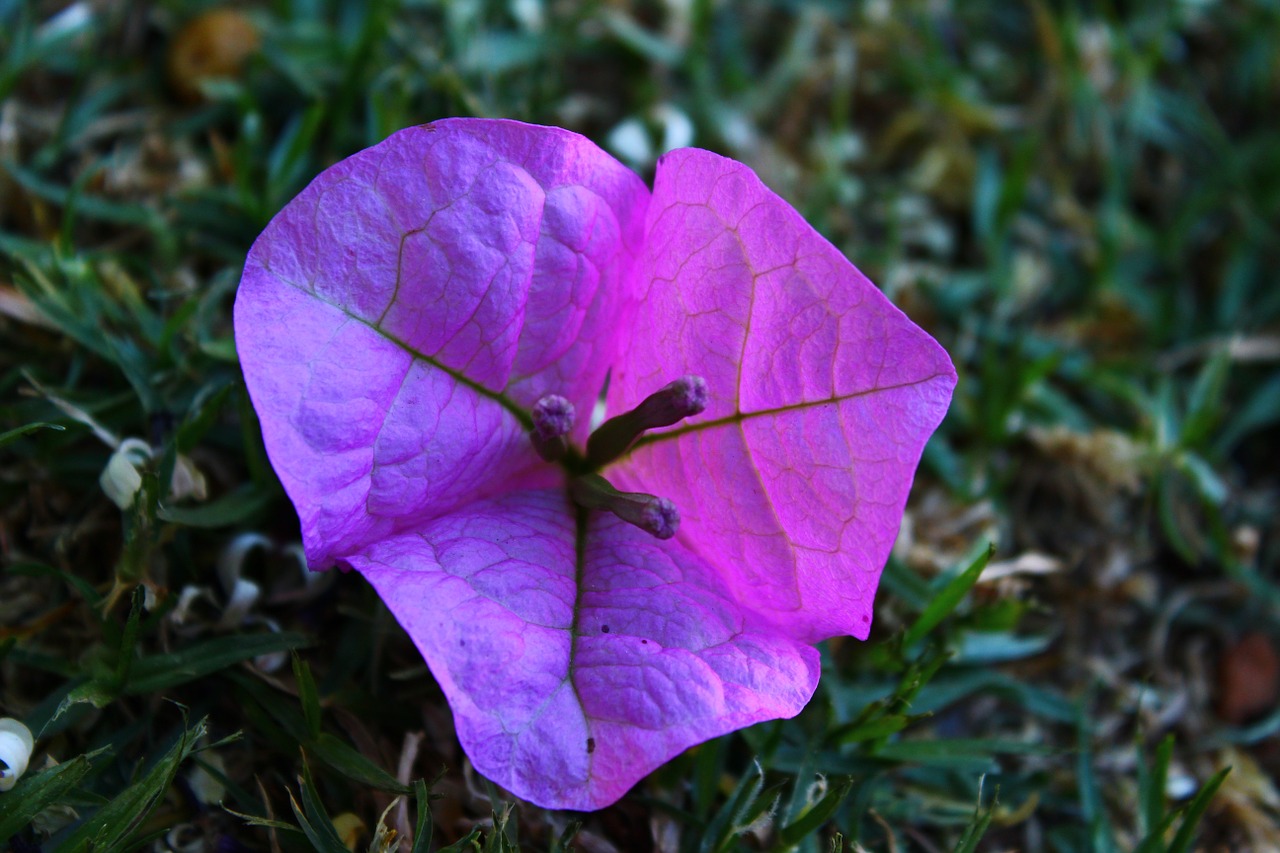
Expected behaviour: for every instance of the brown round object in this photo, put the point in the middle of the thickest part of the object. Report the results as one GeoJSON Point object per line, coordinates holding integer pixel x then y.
{"type": "Point", "coordinates": [215, 44]}
{"type": "Point", "coordinates": [1248, 679]}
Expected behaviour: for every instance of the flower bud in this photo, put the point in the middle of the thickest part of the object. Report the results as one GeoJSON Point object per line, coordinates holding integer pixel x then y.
{"type": "Point", "coordinates": [651, 514]}
{"type": "Point", "coordinates": [553, 419]}
{"type": "Point", "coordinates": [683, 398]}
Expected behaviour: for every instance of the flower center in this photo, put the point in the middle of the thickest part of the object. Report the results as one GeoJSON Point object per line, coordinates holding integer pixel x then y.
{"type": "Point", "coordinates": [553, 419]}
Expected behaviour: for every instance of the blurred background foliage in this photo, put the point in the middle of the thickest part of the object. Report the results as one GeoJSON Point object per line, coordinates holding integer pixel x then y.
{"type": "Point", "coordinates": [1081, 200]}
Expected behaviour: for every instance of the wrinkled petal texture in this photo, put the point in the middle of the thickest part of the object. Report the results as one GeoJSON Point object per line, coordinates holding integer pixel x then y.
{"type": "Point", "coordinates": [569, 681]}
{"type": "Point", "coordinates": [399, 318]}
{"type": "Point", "coordinates": [822, 395]}
{"type": "Point", "coordinates": [379, 307]}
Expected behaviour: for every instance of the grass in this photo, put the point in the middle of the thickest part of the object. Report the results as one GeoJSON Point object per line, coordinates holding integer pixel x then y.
{"type": "Point", "coordinates": [1080, 200]}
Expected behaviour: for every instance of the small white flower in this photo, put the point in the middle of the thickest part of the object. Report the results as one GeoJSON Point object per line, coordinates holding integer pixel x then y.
{"type": "Point", "coordinates": [16, 744]}
{"type": "Point", "coordinates": [121, 479]}
{"type": "Point", "coordinates": [241, 596]}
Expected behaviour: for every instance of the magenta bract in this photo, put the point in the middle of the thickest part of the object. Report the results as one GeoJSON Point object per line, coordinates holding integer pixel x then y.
{"type": "Point", "coordinates": [398, 321]}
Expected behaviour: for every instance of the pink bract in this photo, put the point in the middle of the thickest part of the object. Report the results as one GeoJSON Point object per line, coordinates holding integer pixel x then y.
{"type": "Point", "coordinates": [398, 320]}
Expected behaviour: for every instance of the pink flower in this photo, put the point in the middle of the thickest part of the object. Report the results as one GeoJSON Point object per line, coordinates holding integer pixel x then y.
{"type": "Point", "coordinates": [418, 329]}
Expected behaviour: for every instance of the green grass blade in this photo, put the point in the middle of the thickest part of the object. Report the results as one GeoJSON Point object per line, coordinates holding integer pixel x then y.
{"type": "Point", "coordinates": [41, 789]}
{"type": "Point", "coordinates": [977, 826]}
{"type": "Point", "coordinates": [471, 841]}
{"type": "Point", "coordinates": [128, 650]}
{"type": "Point", "coordinates": [1195, 811]}
{"type": "Point", "coordinates": [307, 695]}
{"type": "Point", "coordinates": [156, 673]}
{"type": "Point", "coordinates": [724, 825]}
{"type": "Point", "coordinates": [235, 508]}
{"type": "Point", "coordinates": [817, 816]}
{"type": "Point", "coordinates": [1152, 781]}
{"type": "Point", "coordinates": [313, 818]}
{"type": "Point", "coordinates": [424, 826]}
{"type": "Point", "coordinates": [346, 760]}
{"type": "Point", "coordinates": [948, 598]}
{"type": "Point", "coordinates": [19, 432]}
{"type": "Point", "coordinates": [113, 828]}
{"type": "Point", "coordinates": [563, 842]}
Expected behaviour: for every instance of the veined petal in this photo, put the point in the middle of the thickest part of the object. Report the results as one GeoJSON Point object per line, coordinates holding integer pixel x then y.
{"type": "Point", "coordinates": [822, 395]}
{"type": "Point", "coordinates": [575, 665]}
{"type": "Point", "coordinates": [397, 316]}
